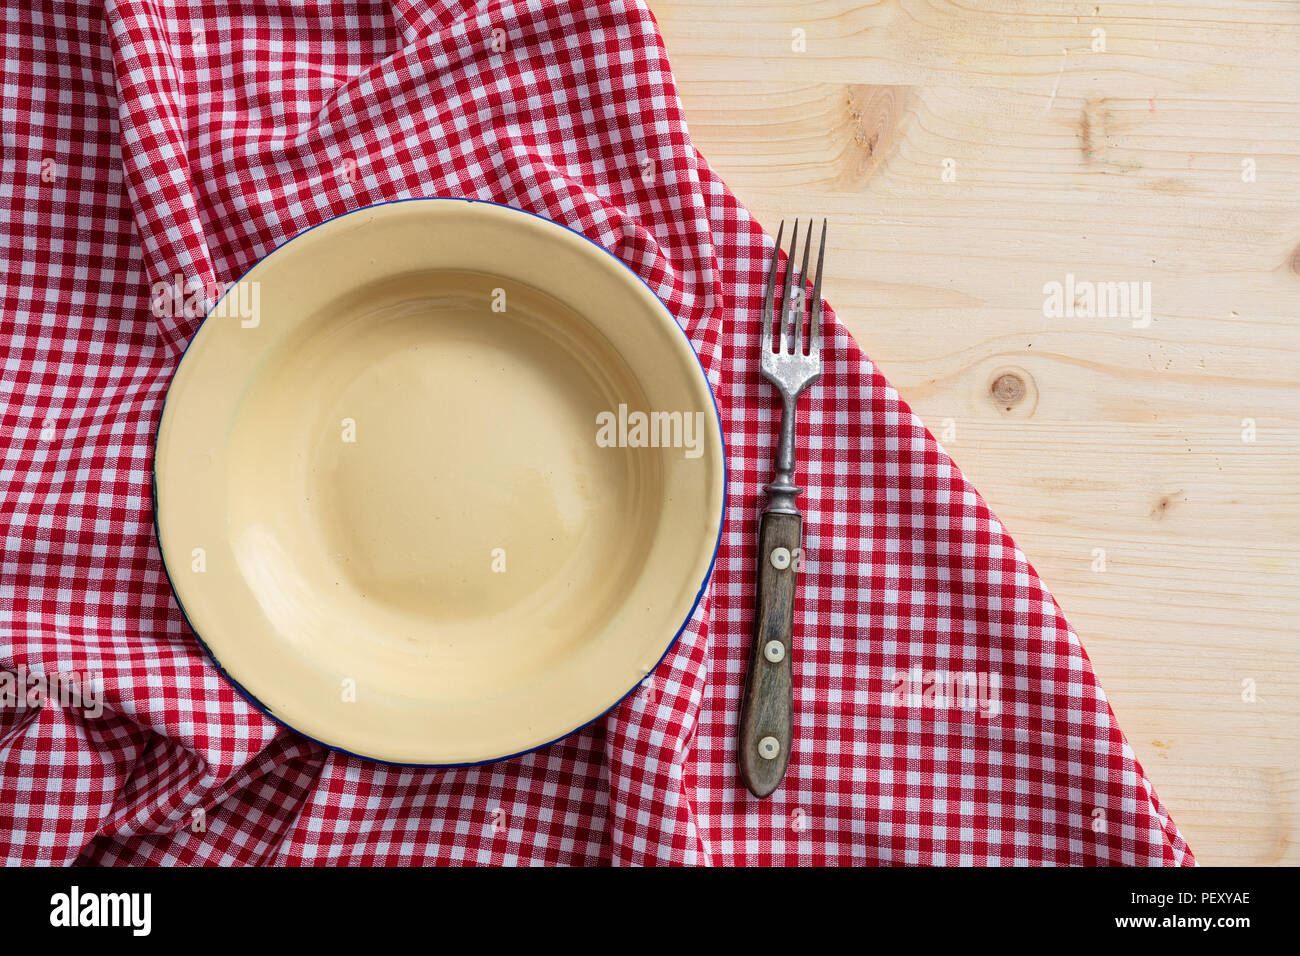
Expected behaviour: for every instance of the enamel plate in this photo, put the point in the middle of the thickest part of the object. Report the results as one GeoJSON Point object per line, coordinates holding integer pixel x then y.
{"type": "Point", "coordinates": [438, 482]}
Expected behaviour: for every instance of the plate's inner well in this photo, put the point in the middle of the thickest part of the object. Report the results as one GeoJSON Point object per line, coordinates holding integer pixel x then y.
{"type": "Point", "coordinates": [459, 528]}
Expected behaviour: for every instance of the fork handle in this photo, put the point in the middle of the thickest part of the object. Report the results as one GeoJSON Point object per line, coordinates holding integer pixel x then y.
{"type": "Point", "coordinates": [767, 708]}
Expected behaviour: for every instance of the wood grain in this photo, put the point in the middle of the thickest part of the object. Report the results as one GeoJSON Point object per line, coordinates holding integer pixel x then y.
{"type": "Point", "coordinates": [1084, 434]}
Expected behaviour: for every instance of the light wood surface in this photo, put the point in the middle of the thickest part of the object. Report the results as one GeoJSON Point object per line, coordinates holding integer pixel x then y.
{"type": "Point", "coordinates": [1082, 433]}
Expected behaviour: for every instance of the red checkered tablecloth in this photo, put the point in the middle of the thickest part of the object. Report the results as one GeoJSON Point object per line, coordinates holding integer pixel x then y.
{"type": "Point", "coordinates": [145, 140]}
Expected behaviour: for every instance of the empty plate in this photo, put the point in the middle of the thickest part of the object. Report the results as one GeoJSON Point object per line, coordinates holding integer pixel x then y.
{"type": "Point", "coordinates": [438, 482]}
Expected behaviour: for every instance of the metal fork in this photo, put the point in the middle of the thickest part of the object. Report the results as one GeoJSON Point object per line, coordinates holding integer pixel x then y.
{"type": "Point", "coordinates": [767, 709]}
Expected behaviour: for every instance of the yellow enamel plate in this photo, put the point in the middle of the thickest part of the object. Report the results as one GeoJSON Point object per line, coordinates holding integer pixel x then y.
{"type": "Point", "coordinates": [438, 482]}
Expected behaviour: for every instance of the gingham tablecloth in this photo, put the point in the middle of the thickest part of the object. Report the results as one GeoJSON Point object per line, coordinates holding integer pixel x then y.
{"type": "Point", "coordinates": [145, 140]}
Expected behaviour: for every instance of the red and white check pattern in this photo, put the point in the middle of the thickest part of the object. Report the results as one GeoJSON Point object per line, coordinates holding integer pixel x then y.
{"type": "Point", "coordinates": [144, 139]}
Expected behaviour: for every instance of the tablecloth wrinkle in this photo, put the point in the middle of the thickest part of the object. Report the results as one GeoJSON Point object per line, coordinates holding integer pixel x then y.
{"type": "Point", "coordinates": [153, 152]}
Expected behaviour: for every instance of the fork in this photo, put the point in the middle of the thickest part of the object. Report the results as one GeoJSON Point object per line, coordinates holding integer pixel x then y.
{"type": "Point", "coordinates": [767, 708]}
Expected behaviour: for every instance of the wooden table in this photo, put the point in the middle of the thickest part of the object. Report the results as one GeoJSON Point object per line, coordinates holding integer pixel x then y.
{"type": "Point", "coordinates": [970, 154]}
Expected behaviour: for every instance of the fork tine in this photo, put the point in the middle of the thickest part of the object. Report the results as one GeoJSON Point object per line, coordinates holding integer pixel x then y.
{"type": "Point", "coordinates": [814, 338]}
{"type": "Point", "coordinates": [787, 312]}
{"type": "Point", "coordinates": [803, 295]}
{"type": "Point", "coordinates": [769, 328]}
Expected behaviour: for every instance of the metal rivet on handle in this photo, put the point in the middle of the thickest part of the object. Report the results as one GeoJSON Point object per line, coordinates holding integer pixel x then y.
{"type": "Point", "coordinates": [768, 748]}
{"type": "Point", "coordinates": [781, 558]}
{"type": "Point", "coordinates": [774, 651]}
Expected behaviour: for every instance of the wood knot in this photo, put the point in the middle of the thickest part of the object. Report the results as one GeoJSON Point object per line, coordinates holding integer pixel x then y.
{"type": "Point", "coordinates": [1012, 391]}
{"type": "Point", "coordinates": [872, 130]}
{"type": "Point", "coordinates": [1164, 503]}
{"type": "Point", "coordinates": [1008, 390]}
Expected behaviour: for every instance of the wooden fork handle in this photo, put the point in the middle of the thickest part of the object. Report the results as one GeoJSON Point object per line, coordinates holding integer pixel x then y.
{"type": "Point", "coordinates": [767, 708]}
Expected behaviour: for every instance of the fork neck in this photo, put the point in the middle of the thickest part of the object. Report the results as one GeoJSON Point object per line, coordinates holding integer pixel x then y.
{"type": "Point", "coordinates": [782, 492]}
